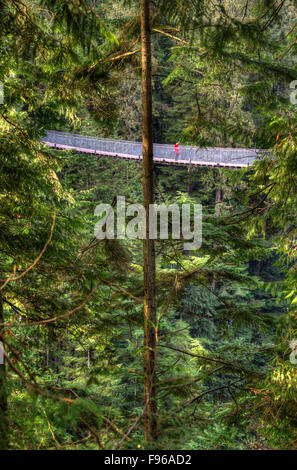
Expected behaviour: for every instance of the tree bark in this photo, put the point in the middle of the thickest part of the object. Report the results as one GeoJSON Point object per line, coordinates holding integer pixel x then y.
{"type": "Point", "coordinates": [150, 419]}
{"type": "Point", "coordinates": [3, 392]}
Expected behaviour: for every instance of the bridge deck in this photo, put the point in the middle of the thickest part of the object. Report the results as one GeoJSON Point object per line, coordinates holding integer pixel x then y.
{"type": "Point", "coordinates": [163, 154]}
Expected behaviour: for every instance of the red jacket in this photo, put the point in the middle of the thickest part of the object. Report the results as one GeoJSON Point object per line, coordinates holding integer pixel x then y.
{"type": "Point", "coordinates": [176, 148]}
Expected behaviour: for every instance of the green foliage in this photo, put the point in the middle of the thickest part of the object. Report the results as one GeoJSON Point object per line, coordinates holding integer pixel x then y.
{"type": "Point", "coordinates": [71, 304]}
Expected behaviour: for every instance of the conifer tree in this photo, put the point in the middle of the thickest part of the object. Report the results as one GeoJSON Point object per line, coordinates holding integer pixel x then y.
{"type": "Point", "coordinates": [149, 263]}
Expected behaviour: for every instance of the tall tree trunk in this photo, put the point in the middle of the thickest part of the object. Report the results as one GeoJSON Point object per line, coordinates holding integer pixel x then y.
{"type": "Point", "coordinates": [189, 186]}
{"type": "Point", "coordinates": [218, 201]}
{"type": "Point", "coordinates": [3, 395]}
{"type": "Point", "coordinates": [150, 419]}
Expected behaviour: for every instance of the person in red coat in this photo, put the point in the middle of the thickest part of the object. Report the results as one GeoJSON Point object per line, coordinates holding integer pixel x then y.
{"type": "Point", "coordinates": [176, 150]}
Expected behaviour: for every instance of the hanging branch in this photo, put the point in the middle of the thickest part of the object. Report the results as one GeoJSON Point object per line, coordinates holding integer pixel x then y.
{"type": "Point", "coordinates": [16, 278]}
{"type": "Point", "coordinates": [59, 317]}
{"type": "Point", "coordinates": [211, 390]}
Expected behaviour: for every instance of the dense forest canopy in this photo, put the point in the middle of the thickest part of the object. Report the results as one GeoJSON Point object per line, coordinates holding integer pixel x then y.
{"type": "Point", "coordinates": [140, 344]}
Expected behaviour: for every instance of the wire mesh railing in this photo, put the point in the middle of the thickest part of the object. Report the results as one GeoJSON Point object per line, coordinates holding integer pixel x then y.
{"type": "Point", "coordinates": [215, 155]}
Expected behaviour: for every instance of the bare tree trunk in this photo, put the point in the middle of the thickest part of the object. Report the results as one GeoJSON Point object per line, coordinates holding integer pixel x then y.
{"type": "Point", "coordinates": [47, 356]}
{"type": "Point", "coordinates": [218, 195]}
{"type": "Point", "coordinates": [189, 186]}
{"type": "Point", "coordinates": [150, 419]}
{"type": "Point", "coordinates": [89, 358]}
{"type": "Point", "coordinates": [3, 393]}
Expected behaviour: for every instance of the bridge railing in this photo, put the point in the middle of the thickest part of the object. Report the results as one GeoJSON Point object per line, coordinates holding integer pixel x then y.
{"type": "Point", "coordinates": [123, 147]}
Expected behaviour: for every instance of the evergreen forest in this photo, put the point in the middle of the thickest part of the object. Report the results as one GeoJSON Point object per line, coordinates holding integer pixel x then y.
{"type": "Point", "coordinates": [130, 343]}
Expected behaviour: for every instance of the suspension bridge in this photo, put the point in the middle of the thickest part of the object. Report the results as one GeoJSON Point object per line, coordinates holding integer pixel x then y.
{"type": "Point", "coordinates": [163, 154]}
